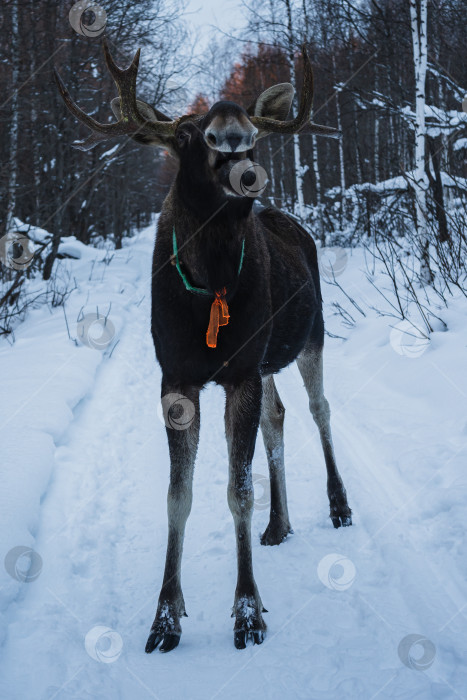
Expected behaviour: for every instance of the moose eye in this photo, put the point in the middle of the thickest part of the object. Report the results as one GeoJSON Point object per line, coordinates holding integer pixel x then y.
{"type": "Point", "coordinates": [182, 137]}
{"type": "Point", "coordinates": [212, 139]}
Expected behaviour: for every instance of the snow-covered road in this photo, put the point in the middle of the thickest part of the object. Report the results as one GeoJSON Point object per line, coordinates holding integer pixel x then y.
{"type": "Point", "coordinates": [85, 480]}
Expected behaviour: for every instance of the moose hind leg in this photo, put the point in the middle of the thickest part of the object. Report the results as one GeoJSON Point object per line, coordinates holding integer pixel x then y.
{"type": "Point", "coordinates": [242, 413]}
{"type": "Point", "coordinates": [310, 364]}
{"type": "Point", "coordinates": [272, 428]}
{"type": "Point", "coordinates": [182, 433]}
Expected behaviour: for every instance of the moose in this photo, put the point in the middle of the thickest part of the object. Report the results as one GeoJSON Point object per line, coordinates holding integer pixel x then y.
{"type": "Point", "coordinates": [235, 299]}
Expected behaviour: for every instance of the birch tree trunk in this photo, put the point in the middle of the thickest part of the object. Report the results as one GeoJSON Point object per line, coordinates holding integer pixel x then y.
{"type": "Point", "coordinates": [282, 193]}
{"type": "Point", "coordinates": [13, 156]}
{"type": "Point", "coordinates": [376, 154]}
{"type": "Point", "coordinates": [341, 147]}
{"type": "Point", "coordinates": [418, 20]}
{"type": "Point", "coordinates": [299, 171]}
{"type": "Point", "coordinates": [35, 157]}
{"type": "Point", "coordinates": [272, 176]}
{"type": "Point", "coordinates": [358, 160]}
{"type": "Point", "coordinates": [319, 208]}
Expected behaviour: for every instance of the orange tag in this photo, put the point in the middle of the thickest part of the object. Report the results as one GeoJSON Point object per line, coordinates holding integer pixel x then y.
{"type": "Point", "coordinates": [219, 317]}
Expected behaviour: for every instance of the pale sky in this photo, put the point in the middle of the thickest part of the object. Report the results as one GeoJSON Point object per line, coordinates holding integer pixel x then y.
{"type": "Point", "coordinates": [225, 14]}
{"type": "Point", "coordinates": [203, 16]}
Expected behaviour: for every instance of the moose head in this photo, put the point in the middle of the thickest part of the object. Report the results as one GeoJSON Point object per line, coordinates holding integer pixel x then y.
{"type": "Point", "coordinates": [208, 146]}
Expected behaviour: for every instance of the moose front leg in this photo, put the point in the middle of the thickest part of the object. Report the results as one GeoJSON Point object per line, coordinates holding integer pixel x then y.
{"type": "Point", "coordinates": [242, 413]}
{"type": "Point", "coordinates": [181, 414]}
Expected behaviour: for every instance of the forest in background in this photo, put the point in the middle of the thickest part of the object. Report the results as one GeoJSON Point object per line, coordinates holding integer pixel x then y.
{"type": "Point", "coordinates": [398, 172]}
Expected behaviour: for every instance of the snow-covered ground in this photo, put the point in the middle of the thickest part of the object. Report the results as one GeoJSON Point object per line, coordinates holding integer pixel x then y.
{"type": "Point", "coordinates": [377, 610]}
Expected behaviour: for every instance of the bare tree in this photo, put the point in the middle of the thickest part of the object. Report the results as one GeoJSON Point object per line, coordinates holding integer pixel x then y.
{"type": "Point", "coordinates": [14, 120]}
{"type": "Point", "coordinates": [418, 18]}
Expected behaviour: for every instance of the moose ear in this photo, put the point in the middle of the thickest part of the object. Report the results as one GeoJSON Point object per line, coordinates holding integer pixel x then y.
{"type": "Point", "coordinates": [152, 115]}
{"type": "Point", "coordinates": [274, 103]}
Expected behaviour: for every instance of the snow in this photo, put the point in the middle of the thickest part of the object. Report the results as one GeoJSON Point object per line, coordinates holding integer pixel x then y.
{"type": "Point", "coordinates": [34, 233]}
{"type": "Point", "coordinates": [111, 151]}
{"type": "Point", "coordinates": [438, 121]}
{"type": "Point", "coordinates": [400, 183]}
{"type": "Point", "coordinates": [460, 144]}
{"type": "Point", "coordinates": [73, 248]}
{"type": "Point", "coordinates": [457, 91]}
{"type": "Point", "coordinates": [375, 610]}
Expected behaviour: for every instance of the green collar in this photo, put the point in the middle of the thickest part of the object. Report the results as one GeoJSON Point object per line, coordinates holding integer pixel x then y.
{"type": "Point", "coordinates": [188, 286]}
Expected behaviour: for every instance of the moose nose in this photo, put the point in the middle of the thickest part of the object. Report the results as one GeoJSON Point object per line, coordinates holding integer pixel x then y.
{"type": "Point", "coordinates": [233, 142]}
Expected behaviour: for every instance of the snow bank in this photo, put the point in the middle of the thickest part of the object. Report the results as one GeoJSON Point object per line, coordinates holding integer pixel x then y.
{"type": "Point", "coordinates": [44, 376]}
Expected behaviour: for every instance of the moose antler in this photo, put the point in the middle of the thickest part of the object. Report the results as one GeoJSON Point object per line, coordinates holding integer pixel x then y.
{"type": "Point", "coordinates": [301, 124]}
{"type": "Point", "coordinates": [132, 122]}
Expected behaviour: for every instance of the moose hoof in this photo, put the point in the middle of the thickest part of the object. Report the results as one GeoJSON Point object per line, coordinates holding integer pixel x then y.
{"type": "Point", "coordinates": [169, 641]}
{"type": "Point", "coordinates": [341, 520]}
{"type": "Point", "coordinates": [341, 516]}
{"type": "Point", "coordinates": [275, 533]}
{"type": "Point", "coordinates": [166, 630]}
{"type": "Point", "coordinates": [242, 636]}
{"type": "Point", "coordinates": [249, 623]}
